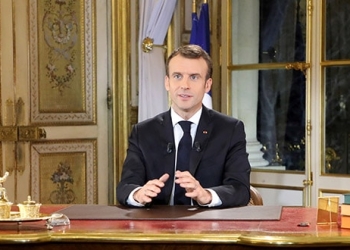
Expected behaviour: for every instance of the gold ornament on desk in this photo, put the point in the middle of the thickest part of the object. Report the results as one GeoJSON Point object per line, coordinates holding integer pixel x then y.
{"type": "Point", "coordinates": [5, 205]}
{"type": "Point", "coordinates": [29, 209]}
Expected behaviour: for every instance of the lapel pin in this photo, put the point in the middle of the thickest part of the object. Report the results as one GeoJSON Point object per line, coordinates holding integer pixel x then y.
{"type": "Point", "coordinates": [205, 132]}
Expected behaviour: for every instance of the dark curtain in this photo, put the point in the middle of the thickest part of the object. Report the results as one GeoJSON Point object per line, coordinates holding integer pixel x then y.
{"type": "Point", "coordinates": [337, 87]}
{"type": "Point", "coordinates": [281, 98]}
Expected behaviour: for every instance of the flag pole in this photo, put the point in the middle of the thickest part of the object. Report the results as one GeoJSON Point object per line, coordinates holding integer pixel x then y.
{"type": "Point", "coordinates": [194, 6]}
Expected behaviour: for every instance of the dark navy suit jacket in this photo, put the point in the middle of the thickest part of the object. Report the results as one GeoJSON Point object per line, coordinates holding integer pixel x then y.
{"type": "Point", "coordinates": [218, 159]}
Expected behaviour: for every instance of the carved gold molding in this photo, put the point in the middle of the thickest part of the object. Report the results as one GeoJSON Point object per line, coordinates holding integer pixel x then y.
{"type": "Point", "coordinates": [298, 66]}
{"type": "Point", "coordinates": [23, 133]}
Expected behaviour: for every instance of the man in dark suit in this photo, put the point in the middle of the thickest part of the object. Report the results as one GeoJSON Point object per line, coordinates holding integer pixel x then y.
{"type": "Point", "coordinates": [219, 172]}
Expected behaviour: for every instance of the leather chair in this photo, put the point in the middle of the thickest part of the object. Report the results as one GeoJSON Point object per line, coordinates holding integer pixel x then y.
{"type": "Point", "coordinates": [255, 197]}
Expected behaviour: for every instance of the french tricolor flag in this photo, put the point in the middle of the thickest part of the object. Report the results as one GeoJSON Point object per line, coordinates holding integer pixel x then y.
{"type": "Point", "coordinates": [200, 35]}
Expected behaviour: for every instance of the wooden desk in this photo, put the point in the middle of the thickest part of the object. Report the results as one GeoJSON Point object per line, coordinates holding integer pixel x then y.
{"type": "Point", "coordinates": [204, 235]}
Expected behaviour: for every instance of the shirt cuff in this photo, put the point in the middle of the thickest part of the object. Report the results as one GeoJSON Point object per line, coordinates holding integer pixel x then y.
{"type": "Point", "coordinates": [131, 201]}
{"type": "Point", "coordinates": [215, 200]}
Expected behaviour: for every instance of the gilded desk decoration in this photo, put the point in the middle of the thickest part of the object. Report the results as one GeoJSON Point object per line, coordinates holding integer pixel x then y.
{"type": "Point", "coordinates": [5, 205]}
{"type": "Point", "coordinates": [29, 208]}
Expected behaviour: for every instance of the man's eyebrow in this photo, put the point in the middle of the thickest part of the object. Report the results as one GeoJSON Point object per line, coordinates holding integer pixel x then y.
{"type": "Point", "coordinates": [195, 74]}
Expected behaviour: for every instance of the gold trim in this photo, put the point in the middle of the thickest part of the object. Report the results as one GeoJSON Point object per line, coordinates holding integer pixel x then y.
{"type": "Point", "coordinates": [1, 77]}
{"type": "Point", "coordinates": [322, 147]}
{"type": "Point", "coordinates": [324, 64]}
{"type": "Point", "coordinates": [172, 37]}
{"type": "Point", "coordinates": [270, 186]}
{"type": "Point", "coordinates": [8, 133]}
{"type": "Point", "coordinates": [31, 133]}
{"type": "Point", "coordinates": [306, 68]}
{"type": "Point", "coordinates": [261, 66]}
{"type": "Point", "coordinates": [121, 86]}
{"type": "Point", "coordinates": [323, 174]}
{"type": "Point", "coordinates": [299, 66]}
{"type": "Point", "coordinates": [323, 32]}
{"type": "Point", "coordinates": [194, 6]}
{"type": "Point", "coordinates": [21, 133]}
{"type": "Point", "coordinates": [226, 88]}
{"type": "Point", "coordinates": [242, 238]}
{"type": "Point", "coordinates": [215, 52]}
{"type": "Point", "coordinates": [259, 170]}
{"type": "Point", "coordinates": [321, 191]}
{"type": "Point", "coordinates": [335, 63]}
{"type": "Point", "coordinates": [14, 72]}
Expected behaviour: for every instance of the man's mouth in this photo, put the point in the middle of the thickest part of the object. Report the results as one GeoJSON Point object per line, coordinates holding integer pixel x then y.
{"type": "Point", "coordinates": [184, 95]}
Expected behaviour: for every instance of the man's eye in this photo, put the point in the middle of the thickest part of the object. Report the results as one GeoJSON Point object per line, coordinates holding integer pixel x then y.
{"type": "Point", "coordinates": [176, 76]}
{"type": "Point", "coordinates": [194, 77]}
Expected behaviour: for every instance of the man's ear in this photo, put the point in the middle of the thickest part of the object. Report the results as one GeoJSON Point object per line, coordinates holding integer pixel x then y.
{"type": "Point", "coordinates": [166, 83]}
{"type": "Point", "coordinates": [208, 84]}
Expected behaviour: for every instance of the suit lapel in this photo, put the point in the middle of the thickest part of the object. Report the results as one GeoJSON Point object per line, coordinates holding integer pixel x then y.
{"type": "Point", "coordinates": [167, 138]}
{"type": "Point", "coordinates": [203, 133]}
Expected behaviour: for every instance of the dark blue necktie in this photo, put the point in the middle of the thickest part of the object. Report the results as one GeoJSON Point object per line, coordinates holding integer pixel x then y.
{"type": "Point", "coordinates": [183, 162]}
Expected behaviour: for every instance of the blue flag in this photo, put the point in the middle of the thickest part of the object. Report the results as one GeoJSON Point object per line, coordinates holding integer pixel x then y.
{"type": "Point", "coordinates": [200, 35]}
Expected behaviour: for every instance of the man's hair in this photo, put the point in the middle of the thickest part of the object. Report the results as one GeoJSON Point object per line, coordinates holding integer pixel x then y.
{"type": "Point", "coordinates": [192, 51]}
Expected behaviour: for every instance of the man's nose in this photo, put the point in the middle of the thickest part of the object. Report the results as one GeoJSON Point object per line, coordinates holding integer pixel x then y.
{"type": "Point", "coordinates": [185, 84]}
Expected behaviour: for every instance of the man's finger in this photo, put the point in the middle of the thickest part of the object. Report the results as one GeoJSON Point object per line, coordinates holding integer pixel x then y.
{"type": "Point", "coordinates": [164, 177]}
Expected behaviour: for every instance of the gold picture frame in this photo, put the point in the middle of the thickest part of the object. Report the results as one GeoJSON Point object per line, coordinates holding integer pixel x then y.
{"type": "Point", "coordinates": [64, 172]}
{"type": "Point", "coordinates": [62, 62]}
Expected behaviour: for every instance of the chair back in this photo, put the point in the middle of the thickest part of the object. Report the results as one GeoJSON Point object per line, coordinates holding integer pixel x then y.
{"type": "Point", "coordinates": [255, 197]}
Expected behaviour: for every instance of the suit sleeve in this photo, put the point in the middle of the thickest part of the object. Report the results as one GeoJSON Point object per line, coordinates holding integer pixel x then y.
{"type": "Point", "coordinates": [235, 190]}
{"type": "Point", "coordinates": [133, 173]}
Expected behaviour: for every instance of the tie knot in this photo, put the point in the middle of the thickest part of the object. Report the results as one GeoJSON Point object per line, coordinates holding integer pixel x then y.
{"type": "Point", "coordinates": [186, 126]}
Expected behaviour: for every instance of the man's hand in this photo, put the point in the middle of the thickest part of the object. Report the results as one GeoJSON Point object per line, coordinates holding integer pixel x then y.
{"type": "Point", "coordinates": [194, 190]}
{"type": "Point", "coordinates": [150, 190]}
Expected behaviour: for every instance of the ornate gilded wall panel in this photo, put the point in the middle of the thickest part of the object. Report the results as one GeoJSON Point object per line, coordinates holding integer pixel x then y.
{"type": "Point", "coordinates": [64, 172]}
{"type": "Point", "coordinates": [62, 55]}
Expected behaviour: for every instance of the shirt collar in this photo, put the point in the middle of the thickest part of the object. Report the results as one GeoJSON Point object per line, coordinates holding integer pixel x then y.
{"type": "Point", "coordinates": [194, 119]}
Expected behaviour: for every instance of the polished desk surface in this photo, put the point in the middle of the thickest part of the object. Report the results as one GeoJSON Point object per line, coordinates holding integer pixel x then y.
{"type": "Point", "coordinates": [143, 234]}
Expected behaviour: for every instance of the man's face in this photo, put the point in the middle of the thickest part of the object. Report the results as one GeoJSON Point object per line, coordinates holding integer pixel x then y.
{"type": "Point", "coordinates": [186, 84]}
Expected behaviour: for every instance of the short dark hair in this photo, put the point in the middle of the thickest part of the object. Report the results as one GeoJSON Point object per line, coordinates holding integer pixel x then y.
{"type": "Point", "coordinates": [192, 51]}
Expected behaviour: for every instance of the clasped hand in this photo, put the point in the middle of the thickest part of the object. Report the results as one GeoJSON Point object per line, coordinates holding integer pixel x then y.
{"type": "Point", "coordinates": [193, 188]}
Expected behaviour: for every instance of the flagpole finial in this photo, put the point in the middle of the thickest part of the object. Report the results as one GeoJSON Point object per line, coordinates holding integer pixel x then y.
{"type": "Point", "coordinates": [194, 6]}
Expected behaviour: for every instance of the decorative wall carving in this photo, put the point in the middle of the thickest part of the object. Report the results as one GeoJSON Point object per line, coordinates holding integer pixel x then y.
{"type": "Point", "coordinates": [62, 46]}
{"type": "Point", "coordinates": [64, 172]}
